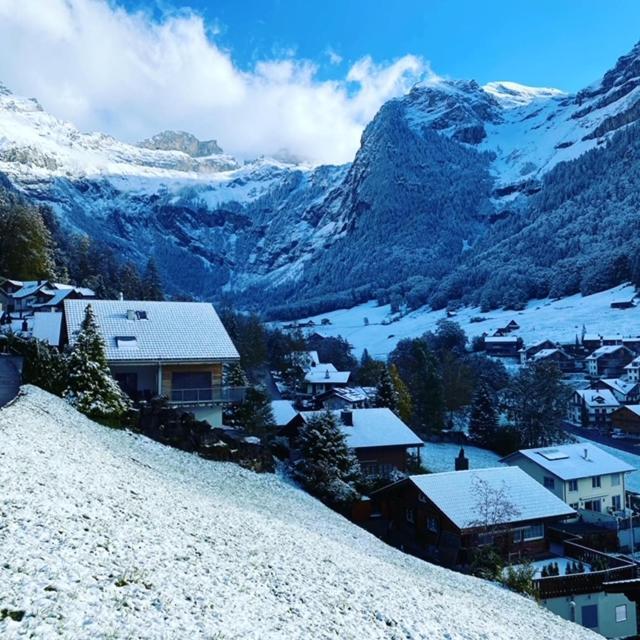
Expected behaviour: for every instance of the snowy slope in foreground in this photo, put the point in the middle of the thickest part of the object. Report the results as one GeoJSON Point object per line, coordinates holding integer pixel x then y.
{"type": "Point", "coordinates": [106, 534]}
{"type": "Point", "coordinates": [559, 320]}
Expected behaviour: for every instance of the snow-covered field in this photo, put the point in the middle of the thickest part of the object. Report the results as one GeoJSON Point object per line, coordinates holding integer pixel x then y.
{"type": "Point", "coordinates": [104, 534]}
{"type": "Point", "coordinates": [440, 456]}
{"type": "Point", "coordinates": [560, 320]}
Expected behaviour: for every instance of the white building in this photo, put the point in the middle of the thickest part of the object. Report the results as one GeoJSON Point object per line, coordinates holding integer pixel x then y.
{"type": "Point", "coordinates": [584, 476]}
{"type": "Point", "coordinates": [592, 407]}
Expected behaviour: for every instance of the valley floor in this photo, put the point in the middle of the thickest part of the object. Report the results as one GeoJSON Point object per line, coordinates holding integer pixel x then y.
{"type": "Point", "coordinates": [559, 320]}
{"type": "Point", "coordinates": [105, 534]}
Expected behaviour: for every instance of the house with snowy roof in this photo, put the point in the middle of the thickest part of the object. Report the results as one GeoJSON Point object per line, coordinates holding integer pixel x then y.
{"type": "Point", "coordinates": [347, 398]}
{"type": "Point", "coordinates": [609, 361]}
{"type": "Point", "coordinates": [283, 412]}
{"type": "Point", "coordinates": [556, 356]}
{"type": "Point", "coordinates": [323, 377]}
{"type": "Point", "coordinates": [381, 441]}
{"type": "Point", "coordinates": [625, 391]}
{"type": "Point", "coordinates": [447, 516]}
{"type": "Point", "coordinates": [632, 370]}
{"type": "Point", "coordinates": [582, 475]}
{"type": "Point", "coordinates": [627, 420]}
{"type": "Point", "coordinates": [24, 297]}
{"type": "Point", "coordinates": [173, 349]}
{"type": "Point", "coordinates": [592, 408]}
{"type": "Point", "coordinates": [503, 346]}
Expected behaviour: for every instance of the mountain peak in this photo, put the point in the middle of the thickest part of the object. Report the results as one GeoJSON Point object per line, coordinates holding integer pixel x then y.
{"type": "Point", "coordinates": [182, 141]}
{"type": "Point", "coordinates": [512, 94]}
{"type": "Point", "coordinates": [4, 91]}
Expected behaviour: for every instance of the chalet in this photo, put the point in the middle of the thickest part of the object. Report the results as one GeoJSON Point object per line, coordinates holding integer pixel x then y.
{"type": "Point", "coordinates": [556, 356]}
{"type": "Point", "coordinates": [24, 297]}
{"type": "Point", "coordinates": [323, 377]}
{"type": "Point", "coordinates": [632, 370]}
{"type": "Point", "coordinates": [632, 343]}
{"type": "Point", "coordinates": [609, 361]}
{"type": "Point", "coordinates": [502, 346]}
{"type": "Point", "coordinates": [507, 329]}
{"type": "Point", "coordinates": [347, 398]}
{"type": "Point", "coordinates": [627, 419]}
{"type": "Point", "coordinates": [172, 349]}
{"type": "Point", "coordinates": [382, 443]}
{"type": "Point", "coordinates": [446, 516]}
{"type": "Point", "coordinates": [625, 391]}
{"type": "Point", "coordinates": [283, 413]}
{"type": "Point", "coordinates": [592, 408]}
{"type": "Point", "coordinates": [595, 341]}
{"type": "Point", "coordinates": [526, 353]}
{"type": "Point", "coordinates": [582, 475]}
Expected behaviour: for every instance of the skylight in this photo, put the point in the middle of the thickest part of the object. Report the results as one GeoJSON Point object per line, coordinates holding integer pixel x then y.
{"type": "Point", "coordinates": [553, 454]}
{"type": "Point", "coordinates": [126, 342]}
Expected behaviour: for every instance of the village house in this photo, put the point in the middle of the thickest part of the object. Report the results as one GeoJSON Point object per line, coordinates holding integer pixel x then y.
{"type": "Point", "coordinates": [556, 356]}
{"type": "Point", "coordinates": [347, 398]}
{"type": "Point", "coordinates": [382, 443]}
{"type": "Point", "coordinates": [24, 297]}
{"type": "Point", "coordinates": [526, 353]}
{"type": "Point", "coordinates": [627, 419]}
{"type": "Point", "coordinates": [507, 329]}
{"type": "Point", "coordinates": [592, 408]}
{"type": "Point", "coordinates": [447, 516]}
{"type": "Point", "coordinates": [171, 349]}
{"type": "Point", "coordinates": [632, 343]}
{"type": "Point", "coordinates": [582, 475]}
{"type": "Point", "coordinates": [632, 370]}
{"type": "Point", "coordinates": [609, 361]}
{"type": "Point", "coordinates": [502, 346]}
{"type": "Point", "coordinates": [283, 413]}
{"type": "Point", "coordinates": [323, 377]}
{"type": "Point", "coordinates": [625, 391]}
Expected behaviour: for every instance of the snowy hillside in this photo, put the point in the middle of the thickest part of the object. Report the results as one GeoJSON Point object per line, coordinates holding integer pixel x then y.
{"type": "Point", "coordinates": [558, 320]}
{"type": "Point", "coordinates": [106, 534]}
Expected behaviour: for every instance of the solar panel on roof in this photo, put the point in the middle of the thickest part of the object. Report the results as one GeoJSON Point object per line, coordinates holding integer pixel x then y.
{"type": "Point", "coordinates": [553, 454]}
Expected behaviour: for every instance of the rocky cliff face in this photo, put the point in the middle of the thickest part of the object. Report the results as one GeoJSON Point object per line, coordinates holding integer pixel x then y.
{"type": "Point", "coordinates": [435, 170]}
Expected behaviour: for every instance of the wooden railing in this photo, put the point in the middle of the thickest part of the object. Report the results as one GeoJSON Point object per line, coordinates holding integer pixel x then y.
{"type": "Point", "coordinates": [579, 583]}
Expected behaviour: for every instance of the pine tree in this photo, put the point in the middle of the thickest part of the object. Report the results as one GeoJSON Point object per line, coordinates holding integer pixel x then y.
{"type": "Point", "coordinates": [327, 468]}
{"type": "Point", "coordinates": [151, 283]}
{"type": "Point", "coordinates": [483, 423]}
{"type": "Point", "coordinates": [386, 394]}
{"type": "Point", "coordinates": [404, 409]}
{"type": "Point", "coordinates": [131, 282]}
{"type": "Point", "coordinates": [235, 376]}
{"type": "Point", "coordinates": [91, 389]}
{"type": "Point", "coordinates": [254, 414]}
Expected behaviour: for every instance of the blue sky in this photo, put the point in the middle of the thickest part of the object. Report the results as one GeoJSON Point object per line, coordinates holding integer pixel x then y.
{"type": "Point", "coordinates": [560, 43]}
{"type": "Point", "coordinates": [269, 77]}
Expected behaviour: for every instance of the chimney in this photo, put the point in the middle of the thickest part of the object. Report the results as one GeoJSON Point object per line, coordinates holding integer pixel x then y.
{"type": "Point", "coordinates": [326, 374]}
{"type": "Point", "coordinates": [121, 296]}
{"type": "Point", "coordinates": [586, 453]}
{"type": "Point", "coordinates": [131, 314]}
{"type": "Point", "coordinates": [347, 417]}
{"type": "Point", "coordinates": [462, 462]}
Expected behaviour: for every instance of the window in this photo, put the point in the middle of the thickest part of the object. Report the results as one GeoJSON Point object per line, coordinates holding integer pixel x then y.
{"type": "Point", "coordinates": [596, 482]}
{"type": "Point", "coordinates": [621, 613]}
{"type": "Point", "coordinates": [422, 497]}
{"type": "Point", "coordinates": [590, 616]}
{"type": "Point", "coordinates": [616, 503]}
{"type": "Point", "coordinates": [432, 524]}
{"type": "Point", "coordinates": [573, 485]}
{"type": "Point", "coordinates": [534, 532]}
{"type": "Point", "coordinates": [593, 505]}
{"type": "Point", "coordinates": [549, 483]}
{"type": "Point", "coordinates": [517, 535]}
{"type": "Point", "coordinates": [574, 506]}
{"type": "Point", "coordinates": [615, 479]}
{"type": "Point", "coordinates": [485, 538]}
{"type": "Point", "coordinates": [410, 515]}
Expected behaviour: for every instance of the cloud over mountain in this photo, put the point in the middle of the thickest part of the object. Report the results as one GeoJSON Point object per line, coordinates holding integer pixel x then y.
{"type": "Point", "coordinates": [102, 67]}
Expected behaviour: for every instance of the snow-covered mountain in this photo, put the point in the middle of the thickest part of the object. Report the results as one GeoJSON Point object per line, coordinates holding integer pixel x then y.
{"type": "Point", "coordinates": [106, 534]}
{"type": "Point", "coordinates": [436, 170]}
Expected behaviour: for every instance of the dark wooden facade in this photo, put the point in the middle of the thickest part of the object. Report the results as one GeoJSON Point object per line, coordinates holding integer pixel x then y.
{"type": "Point", "coordinates": [626, 420]}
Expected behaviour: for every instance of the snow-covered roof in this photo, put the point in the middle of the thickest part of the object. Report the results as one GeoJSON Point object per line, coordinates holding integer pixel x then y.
{"type": "Point", "coordinates": [47, 327]}
{"type": "Point", "coordinates": [634, 408]}
{"type": "Point", "coordinates": [327, 374]}
{"type": "Point", "coordinates": [458, 495]}
{"type": "Point", "coordinates": [352, 394]}
{"type": "Point", "coordinates": [29, 288]}
{"type": "Point", "coordinates": [171, 331]}
{"type": "Point", "coordinates": [504, 339]}
{"type": "Point", "coordinates": [378, 427]}
{"type": "Point", "coordinates": [56, 298]}
{"type": "Point", "coordinates": [573, 461]}
{"type": "Point", "coordinates": [283, 412]}
{"type": "Point", "coordinates": [634, 364]}
{"type": "Point", "coordinates": [619, 385]}
{"type": "Point", "coordinates": [598, 397]}
{"type": "Point", "coordinates": [545, 353]}
{"type": "Point", "coordinates": [606, 350]}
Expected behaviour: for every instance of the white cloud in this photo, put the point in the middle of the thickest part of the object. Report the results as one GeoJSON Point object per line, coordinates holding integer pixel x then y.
{"type": "Point", "coordinates": [334, 57]}
{"type": "Point", "coordinates": [103, 68]}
